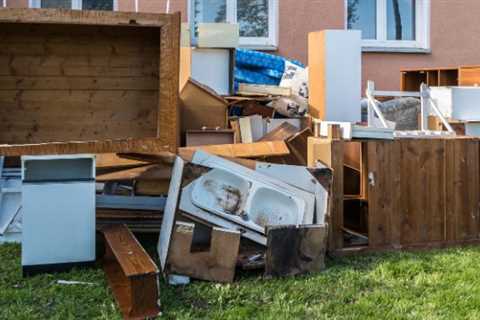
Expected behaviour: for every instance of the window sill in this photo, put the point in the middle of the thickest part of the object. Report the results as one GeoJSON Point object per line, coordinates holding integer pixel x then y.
{"type": "Point", "coordinates": [381, 49]}
{"type": "Point", "coordinates": [259, 47]}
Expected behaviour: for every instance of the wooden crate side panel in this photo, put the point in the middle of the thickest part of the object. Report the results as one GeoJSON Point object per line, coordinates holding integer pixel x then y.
{"type": "Point", "coordinates": [168, 127]}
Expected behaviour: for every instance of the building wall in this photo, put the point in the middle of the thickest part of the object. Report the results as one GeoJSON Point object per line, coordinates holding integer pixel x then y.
{"type": "Point", "coordinates": [453, 34]}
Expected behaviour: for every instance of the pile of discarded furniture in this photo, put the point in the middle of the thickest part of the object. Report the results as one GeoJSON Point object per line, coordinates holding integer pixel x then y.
{"type": "Point", "coordinates": [116, 126]}
{"type": "Point", "coordinates": [98, 150]}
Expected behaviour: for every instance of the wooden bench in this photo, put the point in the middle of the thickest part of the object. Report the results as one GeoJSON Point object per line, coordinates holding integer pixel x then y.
{"type": "Point", "coordinates": [131, 273]}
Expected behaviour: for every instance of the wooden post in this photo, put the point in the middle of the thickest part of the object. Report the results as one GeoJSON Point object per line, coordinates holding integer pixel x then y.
{"type": "Point", "coordinates": [330, 152]}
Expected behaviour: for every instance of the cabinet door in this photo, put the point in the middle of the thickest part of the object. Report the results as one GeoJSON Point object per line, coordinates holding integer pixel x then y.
{"type": "Point", "coordinates": [58, 223]}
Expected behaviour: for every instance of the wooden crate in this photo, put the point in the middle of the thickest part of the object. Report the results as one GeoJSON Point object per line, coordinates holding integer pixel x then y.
{"type": "Point", "coordinates": [421, 193]}
{"type": "Point", "coordinates": [109, 78]}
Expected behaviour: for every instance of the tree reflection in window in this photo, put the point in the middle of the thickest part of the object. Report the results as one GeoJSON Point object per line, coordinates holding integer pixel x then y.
{"type": "Point", "coordinates": [252, 16]}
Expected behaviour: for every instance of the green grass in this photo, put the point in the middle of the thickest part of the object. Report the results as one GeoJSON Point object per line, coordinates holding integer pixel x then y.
{"type": "Point", "coordinates": [428, 285]}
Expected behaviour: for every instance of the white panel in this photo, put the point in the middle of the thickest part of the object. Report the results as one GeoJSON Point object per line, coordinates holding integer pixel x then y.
{"type": "Point", "coordinates": [168, 220]}
{"type": "Point", "coordinates": [442, 97]}
{"type": "Point", "coordinates": [10, 203]}
{"type": "Point", "coordinates": [472, 129]}
{"type": "Point", "coordinates": [343, 75]}
{"type": "Point", "coordinates": [58, 223]}
{"type": "Point", "coordinates": [211, 67]}
{"type": "Point", "coordinates": [459, 103]}
{"type": "Point", "coordinates": [466, 103]}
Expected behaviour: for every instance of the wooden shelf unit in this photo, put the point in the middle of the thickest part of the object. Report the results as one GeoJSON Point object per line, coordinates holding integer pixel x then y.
{"type": "Point", "coordinates": [411, 79]}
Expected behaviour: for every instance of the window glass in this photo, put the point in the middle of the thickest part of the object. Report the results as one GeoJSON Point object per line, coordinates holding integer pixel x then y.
{"type": "Point", "coordinates": [54, 4]}
{"type": "Point", "coordinates": [362, 15]}
{"type": "Point", "coordinates": [252, 17]}
{"type": "Point", "coordinates": [210, 10]}
{"type": "Point", "coordinates": [401, 19]}
{"type": "Point", "coordinates": [97, 5]}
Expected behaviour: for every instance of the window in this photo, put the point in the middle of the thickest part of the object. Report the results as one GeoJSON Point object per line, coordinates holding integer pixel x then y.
{"type": "Point", "coordinates": [257, 19]}
{"type": "Point", "coordinates": [109, 5]}
{"type": "Point", "coordinates": [391, 24]}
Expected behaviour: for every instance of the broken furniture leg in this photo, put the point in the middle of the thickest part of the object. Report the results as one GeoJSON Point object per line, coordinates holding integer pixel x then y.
{"type": "Point", "coordinates": [293, 250]}
{"type": "Point", "coordinates": [131, 273]}
{"type": "Point", "coordinates": [216, 264]}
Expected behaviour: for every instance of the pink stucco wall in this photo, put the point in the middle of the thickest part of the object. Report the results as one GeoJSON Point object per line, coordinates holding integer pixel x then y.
{"type": "Point", "coordinates": [454, 33]}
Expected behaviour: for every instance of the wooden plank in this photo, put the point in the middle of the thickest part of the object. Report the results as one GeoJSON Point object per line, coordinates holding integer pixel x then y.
{"type": "Point", "coordinates": [280, 133]}
{"type": "Point", "coordinates": [294, 250]}
{"type": "Point", "coordinates": [466, 190]}
{"type": "Point", "coordinates": [112, 160]}
{"type": "Point", "coordinates": [450, 215]}
{"type": "Point", "coordinates": [331, 153]}
{"type": "Point", "coordinates": [377, 217]}
{"type": "Point", "coordinates": [298, 146]}
{"type": "Point", "coordinates": [105, 146]}
{"type": "Point", "coordinates": [152, 187]}
{"type": "Point", "coordinates": [52, 116]}
{"type": "Point", "coordinates": [263, 90]}
{"type": "Point", "coordinates": [61, 16]}
{"type": "Point", "coordinates": [145, 173]}
{"type": "Point", "coordinates": [132, 258]}
{"type": "Point", "coordinates": [434, 184]}
{"type": "Point", "coordinates": [336, 219]}
{"type": "Point", "coordinates": [168, 125]}
{"type": "Point", "coordinates": [244, 150]}
{"type": "Point", "coordinates": [131, 273]}
{"type": "Point", "coordinates": [217, 263]}
{"type": "Point", "coordinates": [67, 83]}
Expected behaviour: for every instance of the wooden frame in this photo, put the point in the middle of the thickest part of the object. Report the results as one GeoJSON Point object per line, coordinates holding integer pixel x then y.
{"type": "Point", "coordinates": [157, 122]}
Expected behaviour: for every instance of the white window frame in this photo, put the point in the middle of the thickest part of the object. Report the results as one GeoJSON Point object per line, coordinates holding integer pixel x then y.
{"type": "Point", "coordinates": [261, 43]}
{"type": "Point", "coordinates": [422, 30]}
{"type": "Point", "coordinates": [76, 4]}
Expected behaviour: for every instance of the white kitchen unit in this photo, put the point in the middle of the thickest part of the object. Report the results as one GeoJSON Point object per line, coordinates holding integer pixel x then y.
{"type": "Point", "coordinates": [458, 103]}
{"type": "Point", "coordinates": [58, 199]}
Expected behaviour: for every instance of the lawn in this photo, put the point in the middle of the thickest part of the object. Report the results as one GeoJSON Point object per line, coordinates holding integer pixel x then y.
{"type": "Point", "coordinates": [428, 285]}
